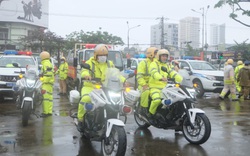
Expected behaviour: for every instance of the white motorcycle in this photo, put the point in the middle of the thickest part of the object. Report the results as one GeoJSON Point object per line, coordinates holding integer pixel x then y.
{"type": "Point", "coordinates": [177, 111]}
{"type": "Point", "coordinates": [29, 92]}
{"type": "Point", "coordinates": [102, 118]}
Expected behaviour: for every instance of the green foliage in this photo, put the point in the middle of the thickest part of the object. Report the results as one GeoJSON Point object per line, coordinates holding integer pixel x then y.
{"type": "Point", "coordinates": [38, 40]}
{"type": "Point", "coordinates": [92, 37]}
{"type": "Point", "coordinates": [237, 9]}
{"type": "Point", "coordinates": [190, 51]}
{"type": "Point", "coordinates": [244, 48]}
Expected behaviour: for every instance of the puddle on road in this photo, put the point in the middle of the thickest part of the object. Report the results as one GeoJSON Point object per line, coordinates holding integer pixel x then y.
{"type": "Point", "coordinates": [7, 141]}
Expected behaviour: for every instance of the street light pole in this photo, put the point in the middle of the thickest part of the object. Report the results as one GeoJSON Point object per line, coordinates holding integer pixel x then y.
{"type": "Point", "coordinates": [128, 33]}
{"type": "Point", "coordinates": [206, 45]}
{"type": "Point", "coordinates": [203, 25]}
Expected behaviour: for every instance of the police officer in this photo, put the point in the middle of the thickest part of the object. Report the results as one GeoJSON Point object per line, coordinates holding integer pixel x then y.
{"type": "Point", "coordinates": [98, 65]}
{"type": "Point", "coordinates": [236, 73]}
{"type": "Point", "coordinates": [63, 73]}
{"type": "Point", "coordinates": [244, 79]}
{"type": "Point", "coordinates": [158, 80]}
{"type": "Point", "coordinates": [143, 77]}
{"type": "Point", "coordinates": [229, 83]}
{"type": "Point", "coordinates": [47, 72]}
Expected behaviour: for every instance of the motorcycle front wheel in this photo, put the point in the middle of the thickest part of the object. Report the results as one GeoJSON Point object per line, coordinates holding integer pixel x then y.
{"type": "Point", "coordinates": [26, 110]}
{"type": "Point", "coordinates": [201, 131]}
{"type": "Point", "coordinates": [116, 143]}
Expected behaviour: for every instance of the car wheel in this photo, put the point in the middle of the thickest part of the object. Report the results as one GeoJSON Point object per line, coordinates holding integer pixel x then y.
{"type": "Point", "coordinates": [199, 89]}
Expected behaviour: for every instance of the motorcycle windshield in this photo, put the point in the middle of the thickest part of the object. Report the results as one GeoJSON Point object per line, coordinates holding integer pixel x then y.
{"type": "Point", "coordinates": [113, 81]}
{"type": "Point", "coordinates": [31, 73]}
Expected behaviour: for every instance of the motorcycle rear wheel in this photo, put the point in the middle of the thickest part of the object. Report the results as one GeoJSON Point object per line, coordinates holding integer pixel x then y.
{"type": "Point", "coordinates": [201, 131]}
{"type": "Point", "coordinates": [26, 110]}
{"type": "Point", "coordinates": [116, 143]}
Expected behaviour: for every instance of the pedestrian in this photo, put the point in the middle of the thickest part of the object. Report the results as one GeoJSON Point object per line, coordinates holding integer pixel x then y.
{"type": "Point", "coordinates": [229, 83]}
{"type": "Point", "coordinates": [244, 80]}
{"type": "Point", "coordinates": [143, 75]}
{"type": "Point", "coordinates": [236, 73]}
{"type": "Point", "coordinates": [158, 80]}
{"type": "Point", "coordinates": [98, 65]}
{"type": "Point", "coordinates": [47, 73]}
{"type": "Point", "coordinates": [63, 74]}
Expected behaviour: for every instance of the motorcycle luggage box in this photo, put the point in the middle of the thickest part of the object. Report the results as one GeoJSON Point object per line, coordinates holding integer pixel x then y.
{"type": "Point", "coordinates": [74, 97]}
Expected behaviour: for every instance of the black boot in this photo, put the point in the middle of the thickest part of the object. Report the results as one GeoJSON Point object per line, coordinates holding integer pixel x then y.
{"type": "Point", "coordinates": [151, 119]}
{"type": "Point", "coordinates": [80, 126]}
{"type": "Point", "coordinates": [144, 111]}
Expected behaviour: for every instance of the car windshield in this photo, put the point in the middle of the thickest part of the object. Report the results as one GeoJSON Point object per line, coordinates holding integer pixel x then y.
{"type": "Point", "coordinates": [202, 66]}
{"type": "Point", "coordinates": [21, 61]}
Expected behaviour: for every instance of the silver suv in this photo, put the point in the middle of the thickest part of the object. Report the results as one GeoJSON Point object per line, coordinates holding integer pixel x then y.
{"type": "Point", "coordinates": [205, 75]}
{"type": "Point", "coordinates": [10, 74]}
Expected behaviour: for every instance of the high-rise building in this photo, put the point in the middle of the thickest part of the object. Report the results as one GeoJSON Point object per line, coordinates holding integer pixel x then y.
{"type": "Point", "coordinates": [189, 32]}
{"type": "Point", "coordinates": [170, 35]}
{"type": "Point", "coordinates": [217, 34]}
{"type": "Point", "coordinates": [18, 19]}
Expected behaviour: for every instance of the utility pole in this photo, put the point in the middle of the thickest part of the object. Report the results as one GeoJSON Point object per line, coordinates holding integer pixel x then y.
{"type": "Point", "coordinates": [162, 30]}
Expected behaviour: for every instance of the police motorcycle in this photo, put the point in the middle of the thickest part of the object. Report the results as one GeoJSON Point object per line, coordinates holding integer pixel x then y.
{"type": "Point", "coordinates": [177, 112]}
{"type": "Point", "coordinates": [102, 118]}
{"type": "Point", "coordinates": [28, 91]}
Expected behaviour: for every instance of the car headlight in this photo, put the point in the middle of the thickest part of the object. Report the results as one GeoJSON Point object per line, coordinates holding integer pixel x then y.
{"type": "Point", "coordinates": [209, 77]}
{"type": "Point", "coordinates": [115, 97]}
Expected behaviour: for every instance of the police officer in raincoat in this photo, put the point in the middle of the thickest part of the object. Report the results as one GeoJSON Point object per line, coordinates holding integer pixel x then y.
{"type": "Point", "coordinates": [229, 82]}
{"type": "Point", "coordinates": [63, 73]}
{"type": "Point", "coordinates": [47, 72]}
{"type": "Point", "coordinates": [143, 75]}
{"type": "Point", "coordinates": [98, 64]}
{"type": "Point", "coordinates": [244, 80]}
{"type": "Point", "coordinates": [236, 73]}
{"type": "Point", "coordinates": [158, 80]}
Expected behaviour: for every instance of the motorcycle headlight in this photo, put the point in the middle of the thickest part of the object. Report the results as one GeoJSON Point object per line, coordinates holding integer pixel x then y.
{"type": "Point", "coordinates": [115, 97]}
{"type": "Point", "coordinates": [30, 83]}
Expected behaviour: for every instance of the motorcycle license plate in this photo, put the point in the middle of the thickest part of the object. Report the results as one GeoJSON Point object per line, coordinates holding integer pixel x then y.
{"type": "Point", "coordinates": [10, 84]}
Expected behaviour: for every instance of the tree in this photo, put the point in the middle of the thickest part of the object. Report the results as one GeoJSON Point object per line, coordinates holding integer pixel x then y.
{"type": "Point", "coordinates": [243, 48]}
{"type": "Point", "coordinates": [92, 37]}
{"type": "Point", "coordinates": [236, 8]}
{"type": "Point", "coordinates": [38, 40]}
{"type": "Point", "coordinates": [190, 51]}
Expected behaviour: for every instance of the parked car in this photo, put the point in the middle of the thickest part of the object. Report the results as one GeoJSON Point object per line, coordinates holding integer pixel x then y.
{"type": "Point", "coordinates": [205, 75]}
{"type": "Point", "coordinates": [10, 74]}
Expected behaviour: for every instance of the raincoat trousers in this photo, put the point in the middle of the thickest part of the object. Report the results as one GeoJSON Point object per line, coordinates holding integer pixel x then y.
{"type": "Point", "coordinates": [47, 84]}
{"type": "Point", "coordinates": [156, 85]}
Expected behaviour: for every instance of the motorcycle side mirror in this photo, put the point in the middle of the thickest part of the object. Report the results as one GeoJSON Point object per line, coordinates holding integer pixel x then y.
{"type": "Point", "coordinates": [164, 69]}
{"type": "Point", "coordinates": [75, 62]}
{"type": "Point", "coordinates": [131, 75]}
{"type": "Point", "coordinates": [85, 66]}
{"type": "Point", "coordinates": [40, 66]}
{"type": "Point", "coordinates": [15, 64]}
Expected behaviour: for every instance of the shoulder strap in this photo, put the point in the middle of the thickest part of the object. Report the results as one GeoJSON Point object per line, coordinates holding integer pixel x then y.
{"type": "Point", "coordinates": [93, 69]}
{"type": "Point", "coordinates": [146, 67]}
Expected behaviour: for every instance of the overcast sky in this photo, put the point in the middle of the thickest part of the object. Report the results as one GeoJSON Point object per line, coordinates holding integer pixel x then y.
{"type": "Point", "coordinates": [112, 16]}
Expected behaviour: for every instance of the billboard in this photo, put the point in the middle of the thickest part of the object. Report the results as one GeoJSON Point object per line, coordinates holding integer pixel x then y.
{"type": "Point", "coordinates": [33, 12]}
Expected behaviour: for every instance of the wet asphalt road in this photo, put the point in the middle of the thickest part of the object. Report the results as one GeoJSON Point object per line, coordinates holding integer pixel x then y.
{"type": "Point", "coordinates": [56, 135]}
